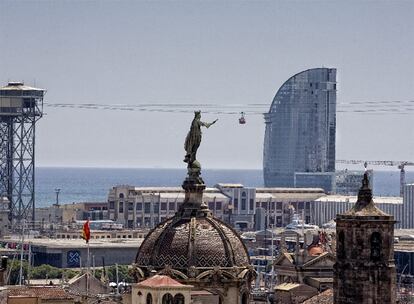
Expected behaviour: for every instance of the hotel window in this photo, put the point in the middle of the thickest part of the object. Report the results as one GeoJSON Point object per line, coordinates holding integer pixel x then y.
{"type": "Point", "coordinates": [211, 205]}
{"type": "Point", "coordinates": [251, 204]}
{"type": "Point", "coordinates": [139, 206]}
{"type": "Point", "coordinates": [111, 205]}
{"type": "Point", "coordinates": [236, 204]}
{"type": "Point", "coordinates": [163, 206]}
{"type": "Point", "coordinates": [219, 206]}
{"type": "Point", "coordinates": [156, 207]}
{"type": "Point", "coordinates": [147, 207]}
{"type": "Point", "coordinates": [121, 207]}
{"type": "Point", "coordinates": [171, 206]}
{"type": "Point", "coordinates": [130, 206]}
{"type": "Point", "coordinates": [243, 204]}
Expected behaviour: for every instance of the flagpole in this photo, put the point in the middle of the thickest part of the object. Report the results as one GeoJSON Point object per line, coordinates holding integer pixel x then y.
{"type": "Point", "coordinates": [88, 271]}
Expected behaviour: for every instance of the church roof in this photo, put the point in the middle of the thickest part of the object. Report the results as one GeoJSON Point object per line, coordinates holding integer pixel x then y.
{"type": "Point", "coordinates": [161, 281]}
{"type": "Point", "coordinates": [201, 242]}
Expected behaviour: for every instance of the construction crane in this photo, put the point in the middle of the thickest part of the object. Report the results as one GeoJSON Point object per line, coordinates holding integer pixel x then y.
{"type": "Point", "coordinates": [394, 163]}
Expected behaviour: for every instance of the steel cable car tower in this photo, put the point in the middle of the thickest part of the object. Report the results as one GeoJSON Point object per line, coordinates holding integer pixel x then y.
{"type": "Point", "coordinates": [20, 108]}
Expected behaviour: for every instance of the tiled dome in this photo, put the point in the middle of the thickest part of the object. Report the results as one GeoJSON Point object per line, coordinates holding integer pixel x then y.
{"type": "Point", "coordinates": [200, 242]}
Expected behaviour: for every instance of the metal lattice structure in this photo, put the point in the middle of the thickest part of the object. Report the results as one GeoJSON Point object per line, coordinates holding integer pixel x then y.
{"type": "Point", "coordinates": [20, 108]}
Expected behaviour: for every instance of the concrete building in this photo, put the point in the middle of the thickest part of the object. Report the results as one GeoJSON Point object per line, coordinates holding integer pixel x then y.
{"type": "Point", "coordinates": [136, 207]}
{"type": "Point", "coordinates": [325, 208]}
{"type": "Point", "coordinates": [72, 253]}
{"type": "Point", "coordinates": [347, 182]}
{"type": "Point", "coordinates": [407, 219]}
{"type": "Point", "coordinates": [324, 180]}
{"type": "Point", "coordinates": [301, 127]}
{"type": "Point", "coordinates": [364, 270]}
{"type": "Point", "coordinates": [66, 214]}
{"type": "Point", "coordinates": [232, 203]}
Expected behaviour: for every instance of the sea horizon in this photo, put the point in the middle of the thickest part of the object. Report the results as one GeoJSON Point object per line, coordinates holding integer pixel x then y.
{"type": "Point", "coordinates": [92, 184]}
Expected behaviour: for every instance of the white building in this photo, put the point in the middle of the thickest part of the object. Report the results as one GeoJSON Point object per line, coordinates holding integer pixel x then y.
{"type": "Point", "coordinates": [147, 206]}
{"type": "Point", "coordinates": [325, 208]}
{"type": "Point", "coordinates": [407, 220]}
{"type": "Point", "coordinates": [136, 207]}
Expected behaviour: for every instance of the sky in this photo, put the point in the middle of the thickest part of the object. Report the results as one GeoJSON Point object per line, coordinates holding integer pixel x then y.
{"type": "Point", "coordinates": [225, 52]}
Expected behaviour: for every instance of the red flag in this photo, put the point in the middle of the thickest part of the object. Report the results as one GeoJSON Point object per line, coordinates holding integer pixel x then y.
{"type": "Point", "coordinates": [86, 232]}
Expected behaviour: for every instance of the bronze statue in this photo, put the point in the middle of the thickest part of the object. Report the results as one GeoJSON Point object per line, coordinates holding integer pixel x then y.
{"type": "Point", "coordinates": [193, 139]}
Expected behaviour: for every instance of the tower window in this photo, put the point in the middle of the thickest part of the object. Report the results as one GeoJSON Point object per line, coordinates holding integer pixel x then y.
{"type": "Point", "coordinates": [341, 245]}
{"type": "Point", "coordinates": [376, 243]}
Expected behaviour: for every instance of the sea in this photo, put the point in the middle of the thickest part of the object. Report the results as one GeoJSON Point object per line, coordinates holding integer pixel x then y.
{"type": "Point", "coordinates": [93, 184]}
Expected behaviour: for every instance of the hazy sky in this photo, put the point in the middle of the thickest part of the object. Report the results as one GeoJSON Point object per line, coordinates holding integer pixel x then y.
{"type": "Point", "coordinates": [230, 52]}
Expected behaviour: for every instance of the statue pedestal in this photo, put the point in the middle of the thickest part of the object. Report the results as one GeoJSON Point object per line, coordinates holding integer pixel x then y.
{"type": "Point", "coordinates": [194, 186]}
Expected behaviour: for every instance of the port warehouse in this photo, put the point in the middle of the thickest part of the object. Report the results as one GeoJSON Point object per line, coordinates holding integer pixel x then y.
{"type": "Point", "coordinates": [138, 207]}
{"type": "Point", "coordinates": [72, 253]}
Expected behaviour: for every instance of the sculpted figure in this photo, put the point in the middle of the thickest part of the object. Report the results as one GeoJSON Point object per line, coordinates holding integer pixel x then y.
{"type": "Point", "coordinates": [193, 139]}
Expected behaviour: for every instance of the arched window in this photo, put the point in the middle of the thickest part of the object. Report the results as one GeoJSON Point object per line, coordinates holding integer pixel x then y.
{"type": "Point", "coordinates": [341, 245]}
{"type": "Point", "coordinates": [121, 195]}
{"type": "Point", "coordinates": [245, 298]}
{"type": "Point", "coordinates": [376, 243]}
{"type": "Point", "coordinates": [243, 194]}
{"type": "Point", "coordinates": [167, 299]}
{"type": "Point", "coordinates": [149, 299]}
{"type": "Point", "coordinates": [179, 299]}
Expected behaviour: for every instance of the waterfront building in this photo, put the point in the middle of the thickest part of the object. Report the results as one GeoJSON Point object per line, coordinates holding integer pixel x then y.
{"type": "Point", "coordinates": [364, 271]}
{"type": "Point", "coordinates": [347, 182]}
{"type": "Point", "coordinates": [65, 214]}
{"type": "Point", "coordinates": [301, 128]}
{"type": "Point", "coordinates": [232, 203]}
{"type": "Point", "coordinates": [149, 206]}
{"type": "Point", "coordinates": [72, 253]}
{"type": "Point", "coordinates": [407, 220]}
{"type": "Point", "coordinates": [325, 208]}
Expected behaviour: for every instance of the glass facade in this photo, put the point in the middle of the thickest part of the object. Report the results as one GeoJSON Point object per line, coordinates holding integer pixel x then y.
{"type": "Point", "coordinates": [301, 128]}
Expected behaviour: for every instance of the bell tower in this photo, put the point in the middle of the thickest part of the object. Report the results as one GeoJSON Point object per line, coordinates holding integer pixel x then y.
{"type": "Point", "coordinates": [364, 271]}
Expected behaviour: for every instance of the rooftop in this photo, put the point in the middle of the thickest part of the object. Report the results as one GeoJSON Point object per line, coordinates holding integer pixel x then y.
{"type": "Point", "coordinates": [80, 243]}
{"type": "Point", "coordinates": [162, 281]}
{"type": "Point", "coordinates": [353, 199]}
{"type": "Point", "coordinates": [43, 292]}
{"type": "Point", "coordinates": [325, 297]}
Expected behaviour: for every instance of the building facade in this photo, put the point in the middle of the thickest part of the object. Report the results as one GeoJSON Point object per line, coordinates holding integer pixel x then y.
{"type": "Point", "coordinates": [325, 209]}
{"type": "Point", "coordinates": [300, 127]}
{"type": "Point", "coordinates": [407, 220]}
{"type": "Point", "coordinates": [137, 207]}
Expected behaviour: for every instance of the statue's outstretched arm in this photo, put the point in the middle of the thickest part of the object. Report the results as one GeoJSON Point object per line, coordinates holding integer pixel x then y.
{"type": "Point", "coordinates": [208, 124]}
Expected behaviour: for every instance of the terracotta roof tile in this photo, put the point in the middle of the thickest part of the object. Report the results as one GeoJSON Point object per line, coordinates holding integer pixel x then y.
{"type": "Point", "coordinates": [161, 281]}
{"type": "Point", "coordinates": [43, 292]}
{"type": "Point", "coordinates": [325, 297]}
